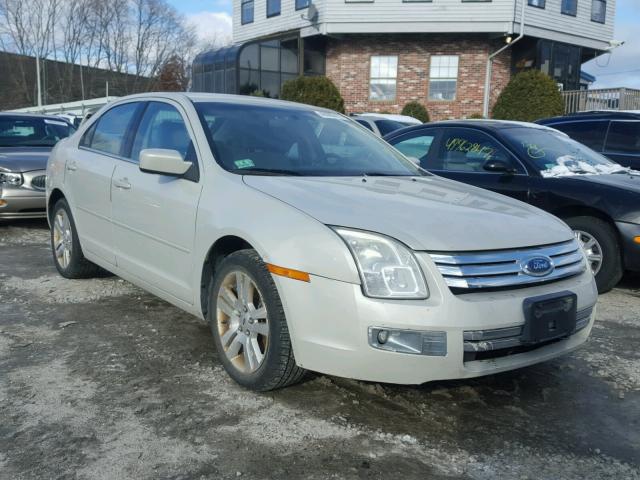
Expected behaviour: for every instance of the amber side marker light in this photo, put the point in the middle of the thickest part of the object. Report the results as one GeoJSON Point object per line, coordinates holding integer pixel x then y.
{"type": "Point", "coordinates": [288, 272]}
{"type": "Point", "coordinates": [637, 239]}
{"type": "Point", "coordinates": [3, 203]}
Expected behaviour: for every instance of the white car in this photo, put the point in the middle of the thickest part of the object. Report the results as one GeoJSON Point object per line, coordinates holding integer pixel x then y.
{"type": "Point", "coordinates": [382, 124]}
{"type": "Point", "coordinates": [308, 243]}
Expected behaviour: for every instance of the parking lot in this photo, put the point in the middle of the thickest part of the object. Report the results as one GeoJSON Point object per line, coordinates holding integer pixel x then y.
{"type": "Point", "coordinates": [99, 380]}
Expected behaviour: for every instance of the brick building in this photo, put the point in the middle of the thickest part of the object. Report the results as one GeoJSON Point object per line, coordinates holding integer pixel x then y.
{"type": "Point", "coordinates": [382, 54]}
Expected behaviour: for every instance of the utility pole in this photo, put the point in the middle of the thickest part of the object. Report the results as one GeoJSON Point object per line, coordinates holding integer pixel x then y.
{"type": "Point", "coordinates": [38, 81]}
{"type": "Point", "coordinates": [81, 82]}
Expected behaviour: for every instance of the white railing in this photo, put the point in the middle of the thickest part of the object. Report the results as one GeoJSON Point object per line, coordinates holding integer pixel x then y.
{"type": "Point", "coordinates": [601, 99]}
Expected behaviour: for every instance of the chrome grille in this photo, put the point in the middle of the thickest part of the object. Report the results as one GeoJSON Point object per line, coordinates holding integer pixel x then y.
{"type": "Point", "coordinates": [39, 182]}
{"type": "Point", "coordinates": [471, 271]}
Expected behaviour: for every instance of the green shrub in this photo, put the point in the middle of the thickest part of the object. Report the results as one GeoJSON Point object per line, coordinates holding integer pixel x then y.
{"type": "Point", "coordinates": [476, 115]}
{"type": "Point", "coordinates": [530, 95]}
{"type": "Point", "coordinates": [318, 91]}
{"type": "Point", "coordinates": [416, 110]}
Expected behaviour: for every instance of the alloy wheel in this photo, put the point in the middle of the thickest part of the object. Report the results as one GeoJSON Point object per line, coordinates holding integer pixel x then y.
{"type": "Point", "coordinates": [242, 322]}
{"type": "Point", "coordinates": [62, 238]}
{"type": "Point", "coordinates": [591, 248]}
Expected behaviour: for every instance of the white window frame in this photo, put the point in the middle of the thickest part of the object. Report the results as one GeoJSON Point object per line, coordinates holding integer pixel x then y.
{"type": "Point", "coordinates": [383, 69]}
{"type": "Point", "coordinates": [443, 68]}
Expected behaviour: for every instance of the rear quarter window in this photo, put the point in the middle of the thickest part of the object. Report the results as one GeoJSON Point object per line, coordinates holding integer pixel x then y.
{"type": "Point", "coordinates": [624, 137]}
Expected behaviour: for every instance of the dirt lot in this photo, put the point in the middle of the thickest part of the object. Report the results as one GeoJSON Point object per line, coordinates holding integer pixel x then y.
{"type": "Point", "coordinates": [99, 380]}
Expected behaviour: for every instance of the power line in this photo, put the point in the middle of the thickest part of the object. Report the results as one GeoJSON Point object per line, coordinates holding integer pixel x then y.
{"type": "Point", "coordinates": [618, 73]}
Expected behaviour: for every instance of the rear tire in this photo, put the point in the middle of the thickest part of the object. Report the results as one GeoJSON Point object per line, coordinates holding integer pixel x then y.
{"type": "Point", "coordinates": [249, 326]}
{"type": "Point", "coordinates": [606, 244]}
{"type": "Point", "coordinates": [65, 245]}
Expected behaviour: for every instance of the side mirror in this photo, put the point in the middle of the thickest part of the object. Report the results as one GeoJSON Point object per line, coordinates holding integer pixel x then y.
{"type": "Point", "coordinates": [498, 166]}
{"type": "Point", "coordinates": [163, 161]}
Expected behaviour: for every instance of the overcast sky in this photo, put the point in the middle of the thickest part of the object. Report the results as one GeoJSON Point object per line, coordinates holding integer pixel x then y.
{"type": "Point", "coordinates": [621, 68]}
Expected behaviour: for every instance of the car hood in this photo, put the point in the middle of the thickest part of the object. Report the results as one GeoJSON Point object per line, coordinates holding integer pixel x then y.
{"type": "Point", "coordinates": [627, 181]}
{"type": "Point", "coordinates": [24, 159]}
{"type": "Point", "coordinates": [428, 213]}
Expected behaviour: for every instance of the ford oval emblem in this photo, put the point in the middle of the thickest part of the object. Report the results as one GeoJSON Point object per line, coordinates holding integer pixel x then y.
{"type": "Point", "coordinates": [538, 266]}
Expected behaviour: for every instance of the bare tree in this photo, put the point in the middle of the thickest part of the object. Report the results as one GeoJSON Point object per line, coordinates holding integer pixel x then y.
{"type": "Point", "coordinates": [133, 37]}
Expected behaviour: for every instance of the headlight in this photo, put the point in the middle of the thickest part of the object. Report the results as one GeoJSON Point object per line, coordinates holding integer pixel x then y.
{"type": "Point", "coordinates": [387, 268]}
{"type": "Point", "coordinates": [10, 178]}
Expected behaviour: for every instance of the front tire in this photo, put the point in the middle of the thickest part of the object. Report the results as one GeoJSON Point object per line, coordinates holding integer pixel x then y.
{"type": "Point", "coordinates": [600, 243]}
{"type": "Point", "coordinates": [249, 326]}
{"type": "Point", "coordinates": [65, 245]}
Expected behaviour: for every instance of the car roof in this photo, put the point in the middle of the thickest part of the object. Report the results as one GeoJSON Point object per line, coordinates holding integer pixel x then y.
{"type": "Point", "coordinates": [389, 116]}
{"type": "Point", "coordinates": [30, 115]}
{"type": "Point", "coordinates": [489, 125]}
{"type": "Point", "coordinates": [594, 115]}
{"type": "Point", "coordinates": [197, 97]}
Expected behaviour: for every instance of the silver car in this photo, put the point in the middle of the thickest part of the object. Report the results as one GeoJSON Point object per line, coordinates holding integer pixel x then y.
{"type": "Point", "coordinates": [25, 144]}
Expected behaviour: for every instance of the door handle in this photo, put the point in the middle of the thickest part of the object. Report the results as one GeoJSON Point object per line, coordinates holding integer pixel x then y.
{"type": "Point", "coordinates": [72, 166]}
{"type": "Point", "coordinates": [122, 183]}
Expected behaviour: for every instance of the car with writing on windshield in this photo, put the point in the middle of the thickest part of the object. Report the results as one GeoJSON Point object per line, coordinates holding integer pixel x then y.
{"type": "Point", "coordinates": [309, 243]}
{"type": "Point", "coordinates": [25, 143]}
{"type": "Point", "coordinates": [597, 198]}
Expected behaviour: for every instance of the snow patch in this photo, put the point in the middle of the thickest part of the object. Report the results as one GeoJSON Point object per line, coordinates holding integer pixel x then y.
{"type": "Point", "coordinates": [57, 289]}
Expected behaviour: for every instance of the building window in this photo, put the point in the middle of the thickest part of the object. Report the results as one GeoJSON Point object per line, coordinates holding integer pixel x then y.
{"type": "Point", "coordinates": [598, 11]}
{"type": "Point", "coordinates": [273, 8]}
{"type": "Point", "coordinates": [382, 79]}
{"type": "Point", "coordinates": [443, 77]}
{"type": "Point", "coordinates": [569, 7]}
{"type": "Point", "coordinates": [246, 15]}
{"type": "Point", "coordinates": [537, 3]}
{"type": "Point", "coordinates": [300, 4]}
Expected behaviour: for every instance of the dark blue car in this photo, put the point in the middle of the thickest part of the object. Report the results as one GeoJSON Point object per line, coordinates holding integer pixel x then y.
{"type": "Point", "coordinates": [615, 134]}
{"type": "Point", "coordinates": [597, 198]}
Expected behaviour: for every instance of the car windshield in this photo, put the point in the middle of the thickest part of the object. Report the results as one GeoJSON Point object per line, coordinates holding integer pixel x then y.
{"type": "Point", "coordinates": [22, 131]}
{"type": "Point", "coordinates": [556, 155]}
{"type": "Point", "coordinates": [252, 139]}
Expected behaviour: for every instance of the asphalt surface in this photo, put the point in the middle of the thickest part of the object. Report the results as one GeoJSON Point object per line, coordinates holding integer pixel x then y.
{"type": "Point", "coordinates": [99, 380]}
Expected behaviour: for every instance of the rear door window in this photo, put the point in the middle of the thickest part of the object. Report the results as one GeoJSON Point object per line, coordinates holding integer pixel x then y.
{"type": "Point", "coordinates": [589, 133]}
{"type": "Point", "coordinates": [112, 128]}
{"type": "Point", "coordinates": [416, 146]}
{"type": "Point", "coordinates": [624, 137]}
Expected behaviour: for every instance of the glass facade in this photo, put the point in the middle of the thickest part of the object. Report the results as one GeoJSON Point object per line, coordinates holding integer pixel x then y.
{"type": "Point", "coordinates": [561, 61]}
{"type": "Point", "coordinates": [258, 67]}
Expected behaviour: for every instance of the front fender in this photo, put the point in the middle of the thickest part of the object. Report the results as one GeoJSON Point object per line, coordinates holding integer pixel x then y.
{"type": "Point", "coordinates": [280, 233]}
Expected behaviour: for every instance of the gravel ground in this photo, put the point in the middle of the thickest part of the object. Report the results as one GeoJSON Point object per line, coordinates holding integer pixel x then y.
{"type": "Point", "coordinates": [99, 380]}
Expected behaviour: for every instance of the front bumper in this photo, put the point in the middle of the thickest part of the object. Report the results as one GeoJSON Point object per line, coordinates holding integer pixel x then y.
{"type": "Point", "coordinates": [329, 323]}
{"type": "Point", "coordinates": [25, 201]}
{"type": "Point", "coordinates": [630, 248]}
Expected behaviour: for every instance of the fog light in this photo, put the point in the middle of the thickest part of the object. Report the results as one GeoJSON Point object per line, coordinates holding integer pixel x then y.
{"type": "Point", "coordinates": [636, 239]}
{"type": "Point", "coordinates": [431, 343]}
{"type": "Point", "coordinates": [383, 336]}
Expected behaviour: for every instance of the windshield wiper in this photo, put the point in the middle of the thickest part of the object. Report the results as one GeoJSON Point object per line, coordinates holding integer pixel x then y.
{"type": "Point", "coordinates": [383, 174]}
{"type": "Point", "coordinates": [267, 171]}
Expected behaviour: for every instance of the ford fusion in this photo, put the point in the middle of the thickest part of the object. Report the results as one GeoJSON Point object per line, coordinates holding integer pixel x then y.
{"type": "Point", "coordinates": [25, 144]}
{"type": "Point", "coordinates": [308, 243]}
